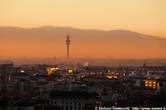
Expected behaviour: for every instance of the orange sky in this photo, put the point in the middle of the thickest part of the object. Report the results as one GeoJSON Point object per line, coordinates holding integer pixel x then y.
{"type": "Point", "coordinates": [46, 47]}
{"type": "Point", "coordinates": [145, 16]}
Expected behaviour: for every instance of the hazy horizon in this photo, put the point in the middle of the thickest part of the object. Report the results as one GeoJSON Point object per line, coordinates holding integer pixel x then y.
{"type": "Point", "coordinates": [50, 42]}
{"type": "Point", "coordinates": [144, 16]}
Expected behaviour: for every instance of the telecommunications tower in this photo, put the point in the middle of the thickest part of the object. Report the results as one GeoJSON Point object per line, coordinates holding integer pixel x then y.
{"type": "Point", "coordinates": [68, 46]}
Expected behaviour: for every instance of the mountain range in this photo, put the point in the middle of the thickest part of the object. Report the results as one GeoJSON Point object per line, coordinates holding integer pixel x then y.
{"type": "Point", "coordinates": [49, 41]}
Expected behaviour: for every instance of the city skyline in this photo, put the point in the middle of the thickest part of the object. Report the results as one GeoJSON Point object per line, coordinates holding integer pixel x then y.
{"type": "Point", "coordinates": [82, 54]}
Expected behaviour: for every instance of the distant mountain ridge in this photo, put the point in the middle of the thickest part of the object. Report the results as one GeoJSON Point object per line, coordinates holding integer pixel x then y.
{"type": "Point", "coordinates": [114, 43]}
{"type": "Point", "coordinates": [69, 29]}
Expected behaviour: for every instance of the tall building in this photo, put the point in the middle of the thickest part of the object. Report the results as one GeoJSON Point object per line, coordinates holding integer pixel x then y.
{"type": "Point", "coordinates": [5, 72]}
{"type": "Point", "coordinates": [68, 46]}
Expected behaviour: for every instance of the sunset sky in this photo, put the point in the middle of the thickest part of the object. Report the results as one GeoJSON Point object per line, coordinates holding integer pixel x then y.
{"type": "Point", "coordinates": [145, 16]}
